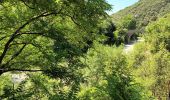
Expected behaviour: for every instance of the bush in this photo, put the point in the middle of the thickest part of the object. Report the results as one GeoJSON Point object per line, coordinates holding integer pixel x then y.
{"type": "Point", "coordinates": [107, 76]}
{"type": "Point", "coordinates": [150, 60]}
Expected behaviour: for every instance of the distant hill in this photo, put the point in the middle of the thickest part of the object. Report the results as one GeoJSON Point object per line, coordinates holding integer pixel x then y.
{"type": "Point", "coordinates": [144, 12]}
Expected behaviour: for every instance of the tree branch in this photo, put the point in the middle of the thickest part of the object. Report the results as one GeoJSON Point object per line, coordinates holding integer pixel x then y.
{"type": "Point", "coordinates": [19, 29]}
{"type": "Point", "coordinates": [27, 70]}
{"type": "Point", "coordinates": [27, 4]}
{"type": "Point", "coordinates": [19, 70]}
{"type": "Point", "coordinates": [31, 33]}
{"type": "Point", "coordinates": [72, 18]}
{"type": "Point", "coordinates": [3, 70]}
{"type": "Point", "coordinates": [34, 33]}
{"type": "Point", "coordinates": [16, 54]}
{"type": "Point", "coordinates": [20, 43]}
{"type": "Point", "coordinates": [74, 21]}
{"type": "Point", "coordinates": [2, 38]}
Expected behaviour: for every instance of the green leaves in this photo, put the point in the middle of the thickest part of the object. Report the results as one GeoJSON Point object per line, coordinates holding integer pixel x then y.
{"type": "Point", "coordinates": [144, 11]}
{"type": "Point", "coordinates": [46, 38]}
{"type": "Point", "coordinates": [107, 75]}
{"type": "Point", "coordinates": [48, 28]}
{"type": "Point", "coordinates": [150, 59]}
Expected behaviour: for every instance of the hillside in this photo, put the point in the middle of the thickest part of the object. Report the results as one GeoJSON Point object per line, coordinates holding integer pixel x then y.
{"type": "Point", "coordinates": [72, 50]}
{"type": "Point", "coordinates": [144, 12]}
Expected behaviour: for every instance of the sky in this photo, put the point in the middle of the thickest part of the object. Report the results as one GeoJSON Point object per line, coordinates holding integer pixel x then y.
{"type": "Point", "coordinates": [120, 4]}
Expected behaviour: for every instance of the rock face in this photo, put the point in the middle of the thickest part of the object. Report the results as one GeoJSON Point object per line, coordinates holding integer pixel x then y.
{"type": "Point", "coordinates": [144, 11]}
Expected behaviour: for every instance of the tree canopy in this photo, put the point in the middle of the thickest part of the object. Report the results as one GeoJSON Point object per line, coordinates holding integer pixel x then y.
{"type": "Point", "coordinates": [36, 34]}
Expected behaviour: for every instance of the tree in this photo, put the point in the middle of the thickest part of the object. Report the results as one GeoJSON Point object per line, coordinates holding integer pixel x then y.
{"type": "Point", "coordinates": [47, 36]}
{"type": "Point", "coordinates": [107, 76]}
{"type": "Point", "coordinates": [125, 29]}
{"type": "Point", "coordinates": [36, 33]}
{"type": "Point", "coordinates": [150, 59]}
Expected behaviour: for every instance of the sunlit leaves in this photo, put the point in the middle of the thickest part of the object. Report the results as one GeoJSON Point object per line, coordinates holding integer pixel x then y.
{"type": "Point", "coordinates": [107, 75]}
{"type": "Point", "coordinates": [150, 59]}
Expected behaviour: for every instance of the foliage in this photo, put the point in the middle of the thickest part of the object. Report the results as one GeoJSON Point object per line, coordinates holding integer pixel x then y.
{"type": "Point", "coordinates": [107, 27]}
{"type": "Point", "coordinates": [122, 34]}
{"type": "Point", "coordinates": [107, 76]}
{"type": "Point", "coordinates": [145, 11]}
{"type": "Point", "coordinates": [37, 86]}
{"type": "Point", "coordinates": [61, 47]}
{"type": "Point", "coordinates": [150, 60]}
{"type": "Point", "coordinates": [45, 39]}
{"type": "Point", "coordinates": [128, 22]}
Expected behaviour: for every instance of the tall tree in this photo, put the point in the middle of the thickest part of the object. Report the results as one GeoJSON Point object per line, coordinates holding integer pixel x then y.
{"type": "Point", "coordinates": [37, 34]}
{"type": "Point", "coordinates": [46, 36]}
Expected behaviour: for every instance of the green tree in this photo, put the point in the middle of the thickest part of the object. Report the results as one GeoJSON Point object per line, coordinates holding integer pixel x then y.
{"type": "Point", "coordinates": [124, 32]}
{"type": "Point", "coordinates": [47, 36]}
{"type": "Point", "coordinates": [150, 60]}
{"type": "Point", "coordinates": [107, 76]}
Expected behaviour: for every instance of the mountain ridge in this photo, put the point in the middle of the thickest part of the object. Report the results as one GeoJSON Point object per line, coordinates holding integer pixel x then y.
{"type": "Point", "coordinates": [144, 11]}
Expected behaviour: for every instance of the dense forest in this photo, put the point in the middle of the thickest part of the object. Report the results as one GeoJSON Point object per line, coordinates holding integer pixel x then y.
{"type": "Point", "coordinates": [73, 50]}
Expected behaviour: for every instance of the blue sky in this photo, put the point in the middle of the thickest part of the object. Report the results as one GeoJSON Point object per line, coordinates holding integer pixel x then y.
{"type": "Point", "coordinates": [120, 4]}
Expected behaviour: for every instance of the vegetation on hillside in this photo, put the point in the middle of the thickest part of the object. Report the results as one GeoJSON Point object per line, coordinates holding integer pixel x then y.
{"type": "Point", "coordinates": [144, 11]}
{"type": "Point", "coordinates": [150, 60]}
{"type": "Point", "coordinates": [66, 50]}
